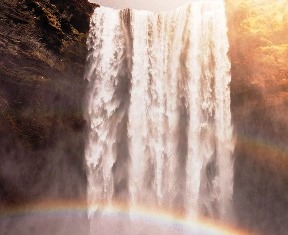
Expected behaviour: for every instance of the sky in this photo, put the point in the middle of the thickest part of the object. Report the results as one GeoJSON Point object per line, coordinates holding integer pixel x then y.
{"type": "Point", "coordinates": [160, 5]}
{"type": "Point", "coordinates": [153, 5]}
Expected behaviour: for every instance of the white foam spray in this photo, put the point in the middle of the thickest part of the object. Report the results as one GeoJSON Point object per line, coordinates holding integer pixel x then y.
{"type": "Point", "coordinates": [158, 110]}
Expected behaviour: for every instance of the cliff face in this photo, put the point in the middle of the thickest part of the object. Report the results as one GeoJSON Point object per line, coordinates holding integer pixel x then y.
{"type": "Point", "coordinates": [258, 32]}
{"type": "Point", "coordinates": [42, 51]}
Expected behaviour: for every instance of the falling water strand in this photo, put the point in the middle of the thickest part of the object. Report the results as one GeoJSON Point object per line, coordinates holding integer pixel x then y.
{"type": "Point", "coordinates": [158, 110]}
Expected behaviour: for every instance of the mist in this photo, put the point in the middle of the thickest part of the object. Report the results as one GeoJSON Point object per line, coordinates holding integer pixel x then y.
{"type": "Point", "coordinates": [162, 5]}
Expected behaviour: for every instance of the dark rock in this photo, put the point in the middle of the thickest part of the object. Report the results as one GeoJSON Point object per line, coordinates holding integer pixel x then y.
{"type": "Point", "coordinates": [43, 53]}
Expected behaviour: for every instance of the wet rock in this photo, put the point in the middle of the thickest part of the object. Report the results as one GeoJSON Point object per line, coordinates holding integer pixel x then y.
{"type": "Point", "coordinates": [43, 53]}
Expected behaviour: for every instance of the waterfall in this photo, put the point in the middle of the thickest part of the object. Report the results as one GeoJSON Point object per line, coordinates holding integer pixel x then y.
{"type": "Point", "coordinates": [158, 110]}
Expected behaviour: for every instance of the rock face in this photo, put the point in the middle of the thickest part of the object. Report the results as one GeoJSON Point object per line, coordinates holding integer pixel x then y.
{"type": "Point", "coordinates": [42, 51]}
{"type": "Point", "coordinates": [258, 32]}
{"type": "Point", "coordinates": [42, 58]}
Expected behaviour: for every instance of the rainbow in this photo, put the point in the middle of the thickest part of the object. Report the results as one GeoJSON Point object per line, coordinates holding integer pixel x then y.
{"type": "Point", "coordinates": [273, 149]}
{"type": "Point", "coordinates": [142, 213]}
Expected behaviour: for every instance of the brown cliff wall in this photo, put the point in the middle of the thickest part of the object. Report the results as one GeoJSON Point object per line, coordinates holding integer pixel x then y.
{"type": "Point", "coordinates": [258, 33]}
{"type": "Point", "coordinates": [42, 58]}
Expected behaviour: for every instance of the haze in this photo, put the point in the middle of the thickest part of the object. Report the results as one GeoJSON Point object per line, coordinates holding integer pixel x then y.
{"type": "Point", "coordinates": [160, 5]}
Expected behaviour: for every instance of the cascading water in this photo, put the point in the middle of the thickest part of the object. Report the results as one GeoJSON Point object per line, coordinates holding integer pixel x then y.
{"type": "Point", "coordinates": [158, 110]}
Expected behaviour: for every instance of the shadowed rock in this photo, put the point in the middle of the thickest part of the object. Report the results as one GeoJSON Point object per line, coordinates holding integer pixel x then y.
{"type": "Point", "coordinates": [43, 52]}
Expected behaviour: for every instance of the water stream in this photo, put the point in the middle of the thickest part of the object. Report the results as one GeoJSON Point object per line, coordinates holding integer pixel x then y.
{"type": "Point", "coordinates": [158, 110]}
